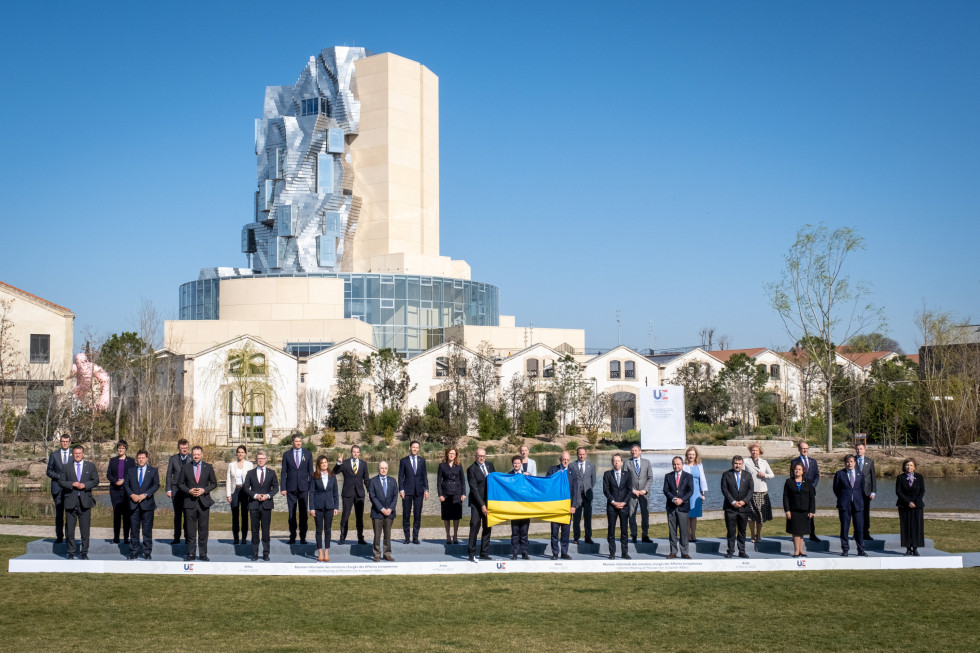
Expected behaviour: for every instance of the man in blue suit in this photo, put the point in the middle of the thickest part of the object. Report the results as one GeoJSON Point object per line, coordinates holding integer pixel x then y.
{"type": "Point", "coordinates": [383, 491]}
{"type": "Point", "coordinates": [811, 472]}
{"type": "Point", "coordinates": [414, 483]}
{"type": "Point", "coordinates": [678, 488]}
{"type": "Point", "coordinates": [297, 471]}
{"type": "Point", "coordinates": [141, 482]}
{"type": "Point", "coordinates": [261, 485]}
{"type": "Point", "coordinates": [559, 532]}
{"type": "Point", "coordinates": [849, 489]}
{"type": "Point", "coordinates": [78, 478]}
{"type": "Point", "coordinates": [56, 461]}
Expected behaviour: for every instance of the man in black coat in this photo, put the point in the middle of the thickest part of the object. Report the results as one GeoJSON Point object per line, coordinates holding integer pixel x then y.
{"type": "Point", "coordinates": [476, 476]}
{"type": "Point", "coordinates": [618, 489]}
{"type": "Point", "coordinates": [261, 485]}
{"type": "Point", "coordinates": [174, 465]}
{"type": "Point", "coordinates": [56, 461]}
{"type": "Point", "coordinates": [413, 479]}
{"type": "Point", "coordinates": [849, 490]}
{"type": "Point", "coordinates": [355, 486]}
{"type": "Point", "coordinates": [811, 472]}
{"type": "Point", "coordinates": [78, 478]}
{"type": "Point", "coordinates": [736, 486]}
{"type": "Point", "coordinates": [678, 488]}
{"type": "Point", "coordinates": [297, 471]}
{"type": "Point", "coordinates": [141, 482]}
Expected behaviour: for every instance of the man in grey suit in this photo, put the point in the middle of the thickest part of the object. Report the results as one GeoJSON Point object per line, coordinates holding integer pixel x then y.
{"type": "Point", "coordinates": [866, 467]}
{"type": "Point", "coordinates": [383, 491]}
{"type": "Point", "coordinates": [584, 472]}
{"type": "Point", "coordinates": [640, 473]}
{"type": "Point", "coordinates": [56, 461]}
{"type": "Point", "coordinates": [78, 478]}
{"type": "Point", "coordinates": [174, 465]}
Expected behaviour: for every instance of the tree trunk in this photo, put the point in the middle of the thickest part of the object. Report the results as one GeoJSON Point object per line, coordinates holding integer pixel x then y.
{"type": "Point", "coordinates": [119, 405]}
{"type": "Point", "coordinates": [830, 420]}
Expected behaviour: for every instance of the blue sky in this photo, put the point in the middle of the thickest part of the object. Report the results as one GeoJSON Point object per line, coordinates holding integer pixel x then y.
{"type": "Point", "coordinates": [651, 157]}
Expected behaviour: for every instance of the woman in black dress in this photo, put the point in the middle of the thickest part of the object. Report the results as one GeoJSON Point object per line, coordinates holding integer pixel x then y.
{"type": "Point", "coordinates": [451, 487]}
{"type": "Point", "coordinates": [799, 502]}
{"type": "Point", "coordinates": [910, 488]}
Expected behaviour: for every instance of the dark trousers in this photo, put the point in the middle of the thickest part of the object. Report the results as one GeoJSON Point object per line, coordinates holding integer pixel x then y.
{"type": "Point", "coordinates": [847, 515]}
{"type": "Point", "coordinates": [323, 521]}
{"type": "Point", "coordinates": [584, 510]}
{"type": "Point", "coordinates": [120, 517]}
{"type": "Point", "coordinates": [239, 513]}
{"type": "Point", "coordinates": [518, 536]}
{"type": "Point", "coordinates": [559, 538]}
{"type": "Point", "coordinates": [622, 516]}
{"type": "Point", "coordinates": [641, 503]}
{"type": "Point", "coordinates": [677, 525]}
{"type": "Point", "coordinates": [478, 522]}
{"type": "Point", "coordinates": [813, 528]}
{"type": "Point", "coordinates": [59, 515]}
{"type": "Point", "coordinates": [196, 522]}
{"type": "Point", "coordinates": [178, 500]}
{"type": "Point", "coordinates": [410, 503]}
{"type": "Point", "coordinates": [83, 517]}
{"type": "Point", "coordinates": [358, 506]}
{"type": "Point", "coordinates": [261, 519]}
{"type": "Point", "coordinates": [866, 531]}
{"type": "Point", "coordinates": [139, 518]}
{"type": "Point", "coordinates": [382, 529]}
{"type": "Point", "coordinates": [299, 499]}
{"type": "Point", "coordinates": [735, 523]}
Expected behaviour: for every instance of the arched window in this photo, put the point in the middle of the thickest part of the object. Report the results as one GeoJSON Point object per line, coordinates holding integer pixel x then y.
{"type": "Point", "coordinates": [629, 367]}
{"type": "Point", "coordinates": [613, 369]}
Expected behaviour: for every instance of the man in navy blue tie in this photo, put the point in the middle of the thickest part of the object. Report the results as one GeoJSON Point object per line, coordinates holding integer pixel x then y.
{"type": "Point", "coordinates": [56, 461]}
{"type": "Point", "coordinates": [413, 479]}
{"type": "Point", "coordinates": [297, 471]}
{"type": "Point", "coordinates": [383, 491]}
{"type": "Point", "coordinates": [140, 484]}
{"type": "Point", "coordinates": [849, 489]}
{"type": "Point", "coordinates": [736, 486]}
{"type": "Point", "coordinates": [78, 478]}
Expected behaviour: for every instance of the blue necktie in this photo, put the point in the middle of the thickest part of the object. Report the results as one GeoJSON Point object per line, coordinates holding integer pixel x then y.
{"type": "Point", "coordinates": [384, 487]}
{"type": "Point", "coordinates": [738, 481]}
{"type": "Point", "coordinates": [636, 463]}
{"type": "Point", "coordinates": [78, 475]}
{"type": "Point", "coordinates": [141, 477]}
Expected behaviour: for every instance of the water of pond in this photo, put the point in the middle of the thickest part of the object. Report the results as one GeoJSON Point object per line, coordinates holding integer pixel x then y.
{"type": "Point", "coordinates": [957, 493]}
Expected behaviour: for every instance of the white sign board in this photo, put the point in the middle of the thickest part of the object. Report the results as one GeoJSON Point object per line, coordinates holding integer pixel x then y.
{"type": "Point", "coordinates": [662, 417]}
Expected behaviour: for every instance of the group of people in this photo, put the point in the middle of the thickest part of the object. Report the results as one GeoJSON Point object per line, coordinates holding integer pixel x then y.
{"type": "Point", "coordinates": [311, 490]}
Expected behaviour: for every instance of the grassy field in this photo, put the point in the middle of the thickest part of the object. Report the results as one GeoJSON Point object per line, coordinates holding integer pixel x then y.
{"type": "Point", "coordinates": [772, 611]}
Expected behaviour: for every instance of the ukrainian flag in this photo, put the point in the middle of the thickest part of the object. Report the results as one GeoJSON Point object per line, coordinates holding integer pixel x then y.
{"type": "Point", "coordinates": [515, 496]}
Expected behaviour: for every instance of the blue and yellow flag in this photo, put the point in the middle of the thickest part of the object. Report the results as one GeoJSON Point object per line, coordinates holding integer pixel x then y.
{"type": "Point", "coordinates": [515, 496]}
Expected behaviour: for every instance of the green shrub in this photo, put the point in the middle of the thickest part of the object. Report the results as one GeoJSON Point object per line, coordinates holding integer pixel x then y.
{"type": "Point", "coordinates": [491, 450]}
{"type": "Point", "coordinates": [632, 436]}
{"type": "Point", "coordinates": [572, 429]}
{"type": "Point", "coordinates": [572, 446]}
{"type": "Point", "coordinates": [515, 440]}
{"type": "Point", "coordinates": [329, 438]}
{"type": "Point", "coordinates": [413, 426]}
{"type": "Point", "coordinates": [532, 423]}
{"type": "Point", "coordinates": [17, 472]}
{"type": "Point", "coordinates": [768, 430]}
{"type": "Point", "coordinates": [485, 422]}
{"type": "Point", "coordinates": [388, 436]}
{"type": "Point", "coordinates": [311, 447]}
{"type": "Point", "coordinates": [286, 441]}
{"type": "Point", "coordinates": [541, 447]}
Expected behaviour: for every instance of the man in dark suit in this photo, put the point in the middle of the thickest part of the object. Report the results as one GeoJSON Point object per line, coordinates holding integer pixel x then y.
{"type": "Point", "coordinates": [413, 479]}
{"type": "Point", "coordinates": [641, 478]}
{"type": "Point", "coordinates": [355, 485]}
{"type": "Point", "coordinates": [261, 485]}
{"type": "Point", "coordinates": [196, 481]}
{"type": "Point", "coordinates": [141, 482]}
{"type": "Point", "coordinates": [678, 488]}
{"type": "Point", "coordinates": [617, 488]}
{"type": "Point", "coordinates": [559, 532]}
{"type": "Point", "coordinates": [849, 490]}
{"type": "Point", "coordinates": [78, 478]}
{"type": "Point", "coordinates": [585, 477]}
{"type": "Point", "coordinates": [476, 477]}
{"type": "Point", "coordinates": [519, 527]}
{"type": "Point", "coordinates": [297, 470]}
{"type": "Point", "coordinates": [56, 461]}
{"type": "Point", "coordinates": [811, 472]}
{"type": "Point", "coordinates": [736, 487]}
{"type": "Point", "coordinates": [866, 467]}
{"type": "Point", "coordinates": [174, 465]}
{"type": "Point", "coordinates": [383, 491]}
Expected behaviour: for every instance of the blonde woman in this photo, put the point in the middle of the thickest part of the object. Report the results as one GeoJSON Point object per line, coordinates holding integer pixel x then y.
{"type": "Point", "coordinates": [693, 466]}
{"type": "Point", "coordinates": [761, 508]}
{"type": "Point", "coordinates": [237, 496]}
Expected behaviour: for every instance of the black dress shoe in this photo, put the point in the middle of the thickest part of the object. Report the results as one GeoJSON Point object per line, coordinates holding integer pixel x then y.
{"type": "Point", "coordinates": [236, 541]}
{"type": "Point", "coordinates": [204, 559]}
{"type": "Point", "coordinates": [612, 556]}
{"type": "Point", "coordinates": [485, 558]}
{"type": "Point", "coordinates": [843, 554]}
{"type": "Point", "coordinates": [626, 556]}
{"type": "Point", "coordinates": [415, 540]}
{"type": "Point", "coordinates": [455, 540]}
{"type": "Point", "coordinates": [525, 556]}
{"type": "Point", "coordinates": [565, 556]}
{"type": "Point", "coordinates": [554, 556]}
{"type": "Point", "coordinates": [915, 552]}
{"type": "Point", "coordinates": [147, 557]}
{"type": "Point", "coordinates": [190, 558]}
{"type": "Point", "coordinates": [362, 541]}
{"type": "Point", "coordinates": [341, 541]}
{"type": "Point", "coordinates": [513, 556]}
{"type": "Point", "coordinates": [266, 557]}
{"type": "Point", "coordinates": [115, 540]}
{"type": "Point", "coordinates": [729, 555]}
{"type": "Point", "coordinates": [175, 541]}
{"type": "Point", "coordinates": [693, 539]}
{"type": "Point", "coordinates": [633, 538]}
{"type": "Point", "coordinates": [588, 540]}
{"type": "Point", "coordinates": [70, 556]}
{"type": "Point", "coordinates": [472, 559]}
{"type": "Point", "coordinates": [862, 554]}
{"type": "Point", "coordinates": [908, 552]}
{"type": "Point", "coordinates": [743, 554]}
{"type": "Point", "coordinates": [84, 556]}
{"type": "Point", "coordinates": [406, 541]}
{"type": "Point", "coordinates": [576, 542]}
{"type": "Point", "coordinates": [302, 540]}
{"type": "Point", "coordinates": [647, 540]}
{"type": "Point", "coordinates": [59, 540]}
{"type": "Point", "coordinates": [255, 558]}
{"type": "Point", "coordinates": [814, 538]}
{"type": "Point", "coordinates": [132, 556]}
{"type": "Point", "coordinates": [292, 540]}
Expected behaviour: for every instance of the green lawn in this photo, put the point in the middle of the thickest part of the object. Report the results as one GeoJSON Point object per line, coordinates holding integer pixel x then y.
{"type": "Point", "coordinates": [765, 611]}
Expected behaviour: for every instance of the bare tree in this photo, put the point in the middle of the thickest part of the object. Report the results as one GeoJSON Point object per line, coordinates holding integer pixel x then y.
{"type": "Point", "coordinates": [743, 380]}
{"type": "Point", "coordinates": [482, 376]}
{"type": "Point", "coordinates": [389, 377]}
{"type": "Point", "coordinates": [593, 411]}
{"type": "Point", "coordinates": [707, 338]}
{"type": "Point", "coordinates": [819, 305]}
{"type": "Point", "coordinates": [317, 404]}
{"type": "Point", "coordinates": [724, 342]}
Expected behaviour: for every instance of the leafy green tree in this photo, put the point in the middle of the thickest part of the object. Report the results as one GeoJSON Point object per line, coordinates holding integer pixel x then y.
{"type": "Point", "coordinates": [347, 406]}
{"type": "Point", "coordinates": [705, 399]}
{"type": "Point", "coordinates": [892, 391]}
{"type": "Point", "coordinates": [565, 391]}
{"type": "Point", "coordinates": [121, 357]}
{"type": "Point", "coordinates": [743, 380]}
{"type": "Point", "coordinates": [869, 342]}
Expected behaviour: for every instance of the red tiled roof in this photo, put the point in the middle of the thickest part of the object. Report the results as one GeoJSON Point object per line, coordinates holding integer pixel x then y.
{"type": "Point", "coordinates": [724, 354]}
{"type": "Point", "coordinates": [863, 359]}
{"type": "Point", "coordinates": [913, 357]}
{"type": "Point", "coordinates": [40, 299]}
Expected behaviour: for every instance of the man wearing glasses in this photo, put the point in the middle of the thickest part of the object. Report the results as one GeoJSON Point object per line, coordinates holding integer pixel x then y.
{"type": "Point", "coordinates": [476, 476]}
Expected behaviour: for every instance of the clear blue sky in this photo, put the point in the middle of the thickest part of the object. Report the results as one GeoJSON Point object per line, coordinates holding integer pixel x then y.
{"type": "Point", "coordinates": [652, 157]}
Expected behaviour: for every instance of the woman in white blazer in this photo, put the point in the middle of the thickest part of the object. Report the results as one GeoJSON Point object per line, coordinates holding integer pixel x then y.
{"type": "Point", "coordinates": [693, 466]}
{"type": "Point", "coordinates": [237, 497]}
{"type": "Point", "coordinates": [761, 508]}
